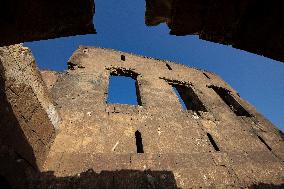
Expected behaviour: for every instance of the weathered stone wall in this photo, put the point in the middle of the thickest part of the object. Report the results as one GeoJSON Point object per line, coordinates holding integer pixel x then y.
{"type": "Point", "coordinates": [213, 144]}
{"type": "Point", "coordinates": [31, 20]}
{"type": "Point", "coordinates": [254, 26]}
{"type": "Point", "coordinates": [28, 117]}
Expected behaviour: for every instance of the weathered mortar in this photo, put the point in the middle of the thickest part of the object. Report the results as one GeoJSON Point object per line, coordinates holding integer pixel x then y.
{"type": "Point", "coordinates": [100, 136]}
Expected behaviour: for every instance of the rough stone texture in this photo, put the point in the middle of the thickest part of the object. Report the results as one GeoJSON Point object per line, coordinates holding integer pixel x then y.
{"type": "Point", "coordinates": [254, 26]}
{"type": "Point", "coordinates": [28, 117]}
{"type": "Point", "coordinates": [31, 20]}
{"type": "Point", "coordinates": [220, 141]}
{"type": "Point", "coordinates": [96, 146]}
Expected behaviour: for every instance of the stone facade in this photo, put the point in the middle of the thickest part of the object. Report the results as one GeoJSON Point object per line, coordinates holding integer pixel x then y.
{"type": "Point", "coordinates": [59, 131]}
{"type": "Point", "coordinates": [250, 25]}
{"type": "Point", "coordinates": [28, 117]}
{"type": "Point", "coordinates": [221, 141]}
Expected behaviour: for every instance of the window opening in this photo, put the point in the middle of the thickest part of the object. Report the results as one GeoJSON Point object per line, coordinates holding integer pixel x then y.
{"type": "Point", "coordinates": [261, 139]}
{"type": "Point", "coordinates": [123, 89]}
{"type": "Point", "coordinates": [169, 67]}
{"type": "Point", "coordinates": [230, 101]}
{"type": "Point", "coordinates": [122, 57]}
{"type": "Point", "coordinates": [188, 99]}
{"type": "Point", "coordinates": [213, 143]}
{"type": "Point", "coordinates": [139, 143]}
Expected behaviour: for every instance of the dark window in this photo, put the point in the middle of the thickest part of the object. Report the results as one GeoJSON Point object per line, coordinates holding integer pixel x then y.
{"type": "Point", "coordinates": [230, 101]}
{"type": "Point", "coordinates": [189, 100]}
{"type": "Point", "coordinates": [261, 139]}
{"type": "Point", "coordinates": [206, 75]}
{"type": "Point", "coordinates": [122, 57]}
{"type": "Point", "coordinates": [169, 67]}
{"type": "Point", "coordinates": [139, 143]}
{"type": "Point", "coordinates": [123, 88]}
{"type": "Point", "coordinates": [212, 141]}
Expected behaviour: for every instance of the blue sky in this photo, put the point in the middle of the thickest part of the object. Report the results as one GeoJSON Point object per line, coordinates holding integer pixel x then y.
{"type": "Point", "coordinates": [122, 90]}
{"type": "Point", "coordinates": [120, 26]}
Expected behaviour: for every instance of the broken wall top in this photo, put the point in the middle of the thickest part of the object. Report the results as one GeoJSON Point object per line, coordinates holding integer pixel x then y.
{"type": "Point", "coordinates": [218, 136]}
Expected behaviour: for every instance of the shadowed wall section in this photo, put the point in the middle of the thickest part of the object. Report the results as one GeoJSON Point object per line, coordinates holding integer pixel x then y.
{"type": "Point", "coordinates": [28, 117]}
{"type": "Point", "coordinates": [119, 179]}
{"type": "Point", "coordinates": [30, 20]}
{"type": "Point", "coordinates": [254, 26]}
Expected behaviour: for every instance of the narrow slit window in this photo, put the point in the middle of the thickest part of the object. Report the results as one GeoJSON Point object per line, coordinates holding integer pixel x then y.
{"type": "Point", "coordinates": [206, 75]}
{"type": "Point", "coordinates": [139, 143]}
{"type": "Point", "coordinates": [230, 101]}
{"type": "Point", "coordinates": [123, 89]}
{"type": "Point", "coordinates": [188, 99]}
{"type": "Point", "coordinates": [261, 139]}
{"type": "Point", "coordinates": [213, 143]}
{"type": "Point", "coordinates": [169, 67]}
{"type": "Point", "coordinates": [122, 57]}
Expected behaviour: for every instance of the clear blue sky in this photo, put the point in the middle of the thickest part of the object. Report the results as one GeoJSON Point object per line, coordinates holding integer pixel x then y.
{"type": "Point", "coordinates": [122, 90]}
{"type": "Point", "coordinates": [120, 25]}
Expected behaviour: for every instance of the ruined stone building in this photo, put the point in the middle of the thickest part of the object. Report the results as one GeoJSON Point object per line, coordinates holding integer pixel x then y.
{"type": "Point", "coordinates": [59, 131]}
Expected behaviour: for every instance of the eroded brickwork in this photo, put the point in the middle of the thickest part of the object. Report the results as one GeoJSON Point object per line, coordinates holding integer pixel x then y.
{"type": "Point", "coordinates": [220, 141]}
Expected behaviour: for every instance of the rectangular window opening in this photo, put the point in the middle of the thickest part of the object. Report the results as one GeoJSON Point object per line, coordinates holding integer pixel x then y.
{"type": "Point", "coordinates": [213, 143]}
{"type": "Point", "coordinates": [230, 101]}
{"type": "Point", "coordinates": [123, 90]}
{"type": "Point", "coordinates": [267, 146]}
{"type": "Point", "coordinates": [122, 57]}
{"type": "Point", "coordinates": [188, 99]}
{"type": "Point", "coordinates": [139, 143]}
